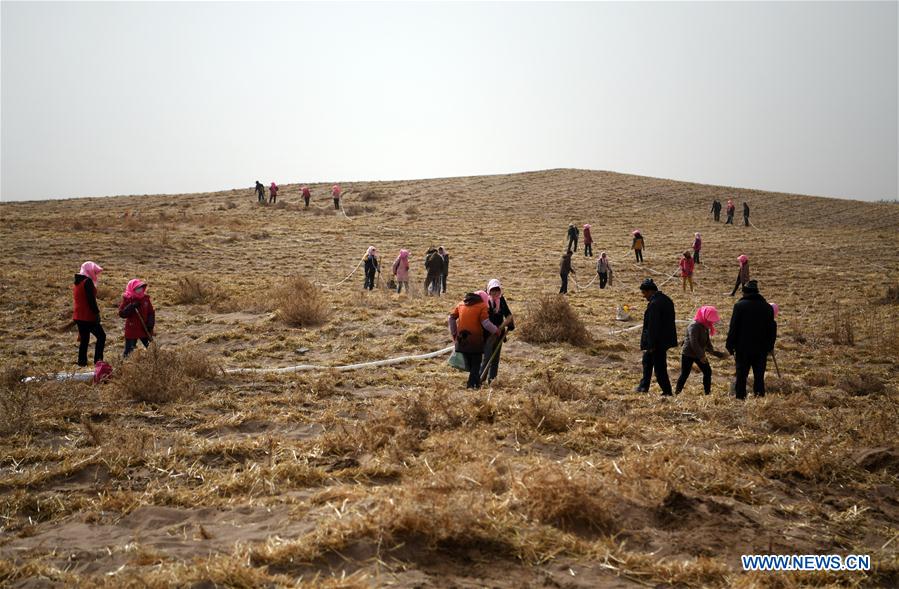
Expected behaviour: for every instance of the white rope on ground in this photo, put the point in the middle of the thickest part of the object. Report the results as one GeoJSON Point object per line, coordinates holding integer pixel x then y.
{"type": "Point", "coordinates": [344, 368]}
{"type": "Point", "coordinates": [345, 279]}
{"type": "Point", "coordinates": [669, 278]}
{"type": "Point", "coordinates": [87, 376]}
{"type": "Point", "coordinates": [633, 327]}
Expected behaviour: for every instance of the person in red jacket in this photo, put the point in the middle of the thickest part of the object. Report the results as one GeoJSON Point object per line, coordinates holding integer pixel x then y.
{"type": "Point", "coordinates": [273, 193]}
{"type": "Point", "coordinates": [588, 241]}
{"type": "Point", "coordinates": [335, 194]}
{"type": "Point", "coordinates": [687, 265]}
{"type": "Point", "coordinates": [138, 313]}
{"type": "Point", "coordinates": [306, 196]}
{"type": "Point", "coordinates": [86, 313]}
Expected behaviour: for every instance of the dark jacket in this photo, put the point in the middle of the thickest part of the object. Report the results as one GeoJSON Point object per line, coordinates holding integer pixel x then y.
{"type": "Point", "coordinates": [433, 264]}
{"type": "Point", "coordinates": [745, 210]}
{"type": "Point", "coordinates": [716, 206]}
{"type": "Point", "coordinates": [445, 263]}
{"type": "Point", "coordinates": [659, 331]}
{"type": "Point", "coordinates": [565, 265]}
{"type": "Point", "coordinates": [84, 294]}
{"type": "Point", "coordinates": [372, 264]}
{"type": "Point", "coordinates": [697, 341]}
{"type": "Point", "coordinates": [497, 316]}
{"type": "Point", "coordinates": [752, 328]}
{"type": "Point", "coordinates": [573, 232]}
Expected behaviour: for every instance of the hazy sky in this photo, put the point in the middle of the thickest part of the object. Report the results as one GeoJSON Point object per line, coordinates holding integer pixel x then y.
{"type": "Point", "coordinates": [135, 98]}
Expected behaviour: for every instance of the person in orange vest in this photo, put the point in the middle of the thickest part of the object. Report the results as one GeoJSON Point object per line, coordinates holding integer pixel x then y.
{"type": "Point", "coordinates": [86, 313]}
{"type": "Point", "coordinates": [467, 323]}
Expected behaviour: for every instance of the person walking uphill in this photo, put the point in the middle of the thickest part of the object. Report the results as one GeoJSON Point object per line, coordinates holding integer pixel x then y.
{"type": "Point", "coordinates": [306, 196]}
{"type": "Point", "coordinates": [467, 323]}
{"type": "Point", "coordinates": [401, 271]}
{"type": "Point", "coordinates": [730, 212]}
{"type": "Point", "coordinates": [86, 313]}
{"type": "Point", "coordinates": [588, 241]}
{"type": "Point", "coordinates": [743, 275]}
{"type": "Point", "coordinates": [572, 237]}
{"type": "Point", "coordinates": [604, 269]}
{"type": "Point", "coordinates": [260, 192]}
{"type": "Point", "coordinates": [335, 194]}
{"type": "Point", "coordinates": [687, 266]}
{"type": "Point", "coordinates": [697, 245]}
{"type": "Point", "coordinates": [696, 344]}
{"type": "Point", "coordinates": [564, 270]}
{"type": "Point", "coordinates": [745, 214]}
{"type": "Point", "coordinates": [372, 266]}
{"type": "Point", "coordinates": [273, 193]}
{"type": "Point", "coordinates": [638, 244]}
{"type": "Point", "coordinates": [750, 338]}
{"type": "Point", "coordinates": [716, 209]}
{"type": "Point", "coordinates": [499, 313]}
{"type": "Point", "coordinates": [137, 311]}
{"type": "Point", "coordinates": [659, 334]}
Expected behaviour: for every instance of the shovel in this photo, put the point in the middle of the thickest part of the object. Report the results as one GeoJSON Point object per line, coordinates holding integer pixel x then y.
{"type": "Point", "coordinates": [499, 344]}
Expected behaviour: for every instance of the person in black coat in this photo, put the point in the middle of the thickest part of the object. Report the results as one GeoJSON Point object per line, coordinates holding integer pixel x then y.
{"type": "Point", "coordinates": [573, 235]}
{"type": "Point", "coordinates": [716, 209]}
{"type": "Point", "coordinates": [745, 214]}
{"type": "Point", "coordinates": [444, 270]}
{"type": "Point", "coordinates": [499, 312]}
{"type": "Point", "coordinates": [260, 192]}
{"type": "Point", "coordinates": [659, 334]}
{"type": "Point", "coordinates": [750, 338]}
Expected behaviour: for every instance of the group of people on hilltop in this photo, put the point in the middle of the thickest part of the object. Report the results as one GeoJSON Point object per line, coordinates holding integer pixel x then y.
{"type": "Point", "coordinates": [750, 338]}
{"type": "Point", "coordinates": [436, 269]}
{"type": "Point", "coordinates": [730, 210]}
{"type": "Point", "coordinates": [135, 308]}
{"type": "Point", "coordinates": [336, 193]}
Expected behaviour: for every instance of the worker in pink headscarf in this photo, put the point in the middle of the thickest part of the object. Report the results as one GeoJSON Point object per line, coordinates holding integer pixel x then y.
{"type": "Point", "coordinates": [588, 241]}
{"type": "Point", "coordinates": [273, 193]}
{"type": "Point", "coordinates": [501, 316]}
{"type": "Point", "coordinates": [86, 312]}
{"type": "Point", "coordinates": [743, 276]}
{"type": "Point", "coordinates": [638, 244]}
{"type": "Point", "coordinates": [697, 344]}
{"type": "Point", "coordinates": [730, 212]}
{"type": "Point", "coordinates": [697, 245]}
{"type": "Point", "coordinates": [137, 311]}
{"type": "Point", "coordinates": [335, 194]}
{"type": "Point", "coordinates": [401, 271]}
{"type": "Point", "coordinates": [686, 266]}
{"type": "Point", "coordinates": [306, 196]}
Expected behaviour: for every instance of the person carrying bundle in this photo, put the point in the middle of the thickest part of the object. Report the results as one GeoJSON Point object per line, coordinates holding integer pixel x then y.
{"type": "Point", "coordinates": [638, 244]}
{"type": "Point", "coordinates": [697, 344]}
{"type": "Point", "coordinates": [604, 269]}
{"type": "Point", "coordinates": [86, 312]}
{"type": "Point", "coordinates": [372, 266]}
{"type": "Point", "coordinates": [573, 235]}
{"type": "Point", "coordinates": [588, 241]}
{"type": "Point", "coordinates": [467, 323]}
{"type": "Point", "coordinates": [139, 315]}
{"type": "Point", "coordinates": [687, 266]}
{"type": "Point", "coordinates": [697, 245]}
{"type": "Point", "coordinates": [401, 271]}
{"type": "Point", "coordinates": [743, 275]}
{"type": "Point", "coordinates": [499, 314]}
{"type": "Point", "coordinates": [730, 212]}
{"type": "Point", "coordinates": [564, 270]}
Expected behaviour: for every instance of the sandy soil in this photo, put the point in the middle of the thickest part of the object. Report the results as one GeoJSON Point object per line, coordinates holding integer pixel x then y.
{"type": "Point", "coordinates": [556, 476]}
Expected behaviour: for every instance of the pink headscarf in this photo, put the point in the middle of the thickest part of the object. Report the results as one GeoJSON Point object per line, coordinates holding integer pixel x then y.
{"type": "Point", "coordinates": [335, 190]}
{"type": "Point", "coordinates": [371, 251]}
{"type": "Point", "coordinates": [275, 186]}
{"type": "Point", "coordinates": [742, 259]}
{"type": "Point", "coordinates": [776, 308]}
{"type": "Point", "coordinates": [484, 296]}
{"type": "Point", "coordinates": [91, 270]}
{"type": "Point", "coordinates": [636, 232]}
{"type": "Point", "coordinates": [586, 226]}
{"type": "Point", "coordinates": [707, 316]}
{"type": "Point", "coordinates": [697, 236]}
{"type": "Point", "coordinates": [494, 283]}
{"type": "Point", "coordinates": [131, 289]}
{"type": "Point", "coordinates": [404, 254]}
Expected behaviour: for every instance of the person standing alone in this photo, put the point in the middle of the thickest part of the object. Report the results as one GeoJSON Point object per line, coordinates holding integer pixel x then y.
{"type": "Point", "coordinates": [750, 338]}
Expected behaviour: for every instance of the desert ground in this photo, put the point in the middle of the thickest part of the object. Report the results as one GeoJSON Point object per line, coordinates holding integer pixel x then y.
{"type": "Point", "coordinates": [179, 473]}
